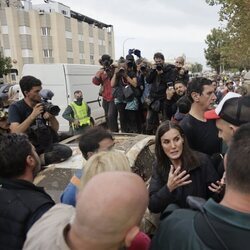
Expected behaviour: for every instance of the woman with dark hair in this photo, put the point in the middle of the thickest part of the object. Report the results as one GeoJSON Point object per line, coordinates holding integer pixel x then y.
{"type": "Point", "coordinates": [178, 171]}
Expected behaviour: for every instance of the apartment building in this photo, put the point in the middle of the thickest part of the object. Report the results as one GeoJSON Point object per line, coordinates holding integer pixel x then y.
{"type": "Point", "coordinates": [51, 33]}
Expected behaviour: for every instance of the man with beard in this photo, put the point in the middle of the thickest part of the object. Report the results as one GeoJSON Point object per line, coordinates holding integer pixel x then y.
{"type": "Point", "coordinates": [22, 203]}
{"type": "Point", "coordinates": [78, 114]}
{"type": "Point", "coordinates": [180, 72]}
{"type": "Point", "coordinates": [29, 116]}
{"type": "Point", "coordinates": [173, 93]}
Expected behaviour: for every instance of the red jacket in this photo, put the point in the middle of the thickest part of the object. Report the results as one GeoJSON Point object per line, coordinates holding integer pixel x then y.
{"type": "Point", "coordinates": [103, 78]}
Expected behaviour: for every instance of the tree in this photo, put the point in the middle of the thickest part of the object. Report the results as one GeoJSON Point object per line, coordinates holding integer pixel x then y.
{"type": "Point", "coordinates": [236, 14]}
{"type": "Point", "coordinates": [196, 67]}
{"type": "Point", "coordinates": [5, 65]}
{"type": "Point", "coordinates": [213, 52]}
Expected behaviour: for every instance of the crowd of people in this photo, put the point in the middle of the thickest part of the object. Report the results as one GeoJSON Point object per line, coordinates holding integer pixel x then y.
{"type": "Point", "coordinates": [200, 183]}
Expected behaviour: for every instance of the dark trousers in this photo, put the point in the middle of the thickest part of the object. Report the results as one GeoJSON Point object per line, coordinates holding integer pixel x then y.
{"type": "Point", "coordinates": [152, 122]}
{"type": "Point", "coordinates": [57, 153]}
{"type": "Point", "coordinates": [111, 114]}
{"type": "Point", "coordinates": [122, 116]}
{"type": "Point", "coordinates": [132, 120]}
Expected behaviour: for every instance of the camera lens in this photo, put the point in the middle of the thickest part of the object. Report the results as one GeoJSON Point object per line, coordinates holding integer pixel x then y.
{"type": "Point", "coordinates": [130, 64]}
{"type": "Point", "coordinates": [159, 67]}
{"type": "Point", "coordinates": [106, 63]}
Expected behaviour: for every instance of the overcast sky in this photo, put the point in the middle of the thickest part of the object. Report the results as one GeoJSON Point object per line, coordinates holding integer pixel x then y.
{"type": "Point", "coordinates": [173, 27]}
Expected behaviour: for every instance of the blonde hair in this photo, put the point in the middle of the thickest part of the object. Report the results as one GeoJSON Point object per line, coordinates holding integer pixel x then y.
{"type": "Point", "coordinates": [105, 161]}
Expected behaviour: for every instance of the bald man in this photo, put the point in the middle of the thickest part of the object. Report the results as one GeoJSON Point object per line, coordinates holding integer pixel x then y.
{"type": "Point", "coordinates": [107, 216]}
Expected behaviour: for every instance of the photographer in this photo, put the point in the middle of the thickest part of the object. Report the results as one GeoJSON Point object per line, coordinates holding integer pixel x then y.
{"type": "Point", "coordinates": [103, 78]}
{"type": "Point", "coordinates": [180, 73]}
{"type": "Point", "coordinates": [125, 79]}
{"type": "Point", "coordinates": [143, 68]}
{"type": "Point", "coordinates": [158, 77]}
{"type": "Point", "coordinates": [28, 116]}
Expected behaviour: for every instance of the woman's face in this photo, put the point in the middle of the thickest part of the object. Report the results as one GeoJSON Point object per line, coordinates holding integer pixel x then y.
{"type": "Point", "coordinates": [172, 144]}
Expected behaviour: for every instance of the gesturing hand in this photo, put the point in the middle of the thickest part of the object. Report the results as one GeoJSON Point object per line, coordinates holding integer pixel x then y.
{"type": "Point", "coordinates": [216, 187]}
{"type": "Point", "coordinates": [219, 185]}
{"type": "Point", "coordinates": [177, 178]}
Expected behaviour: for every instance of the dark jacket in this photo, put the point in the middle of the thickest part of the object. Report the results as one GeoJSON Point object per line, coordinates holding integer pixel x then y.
{"type": "Point", "coordinates": [22, 204]}
{"type": "Point", "coordinates": [186, 229]}
{"type": "Point", "coordinates": [159, 82]}
{"type": "Point", "coordinates": [181, 75]}
{"type": "Point", "coordinates": [202, 176]}
{"type": "Point", "coordinates": [170, 107]}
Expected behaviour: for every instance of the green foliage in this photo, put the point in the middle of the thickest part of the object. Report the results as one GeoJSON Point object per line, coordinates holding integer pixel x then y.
{"type": "Point", "coordinates": [235, 49]}
{"type": "Point", "coordinates": [5, 65]}
{"type": "Point", "coordinates": [196, 67]}
{"type": "Point", "coordinates": [214, 43]}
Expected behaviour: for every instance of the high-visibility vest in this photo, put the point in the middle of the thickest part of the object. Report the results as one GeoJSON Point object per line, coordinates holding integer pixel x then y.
{"type": "Point", "coordinates": [81, 113]}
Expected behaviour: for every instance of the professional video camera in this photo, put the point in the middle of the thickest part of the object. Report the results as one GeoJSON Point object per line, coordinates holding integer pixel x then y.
{"type": "Point", "coordinates": [46, 95]}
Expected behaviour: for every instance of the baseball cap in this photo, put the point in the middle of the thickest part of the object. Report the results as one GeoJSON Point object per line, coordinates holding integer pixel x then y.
{"type": "Point", "coordinates": [233, 108]}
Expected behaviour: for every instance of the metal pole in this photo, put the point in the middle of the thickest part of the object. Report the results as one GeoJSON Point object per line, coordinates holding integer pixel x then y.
{"type": "Point", "coordinates": [129, 38]}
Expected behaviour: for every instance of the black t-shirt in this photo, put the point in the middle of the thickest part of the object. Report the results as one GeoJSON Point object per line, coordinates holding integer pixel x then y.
{"type": "Point", "coordinates": [40, 134]}
{"type": "Point", "coordinates": [19, 111]}
{"type": "Point", "coordinates": [201, 136]}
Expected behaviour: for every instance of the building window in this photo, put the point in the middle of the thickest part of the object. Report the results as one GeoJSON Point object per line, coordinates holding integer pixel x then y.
{"type": "Point", "coordinates": [47, 53]}
{"type": "Point", "coordinates": [91, 57]}
{"type": "Point", "coordinates": [64, 12]}
{"type": "Point", "coordinates": [13, 77]}
{"type": "Point", "coordinates": [45, 31]}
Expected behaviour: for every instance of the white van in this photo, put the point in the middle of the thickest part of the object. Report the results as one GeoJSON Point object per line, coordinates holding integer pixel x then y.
{"type": "Point", "coordinates": [63, 80]}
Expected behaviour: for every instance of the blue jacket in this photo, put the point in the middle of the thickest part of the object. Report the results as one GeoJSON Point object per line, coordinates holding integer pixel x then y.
{"type": "Point", "coordinates": [69, 194]}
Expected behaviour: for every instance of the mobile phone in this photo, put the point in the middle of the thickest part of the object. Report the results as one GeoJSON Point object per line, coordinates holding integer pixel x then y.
{"type": "Point", "coordinates": [170, 84]}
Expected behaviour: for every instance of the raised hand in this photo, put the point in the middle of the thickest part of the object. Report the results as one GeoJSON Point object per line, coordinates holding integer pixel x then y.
{"type": "Point", "coordinates": [177, 178]}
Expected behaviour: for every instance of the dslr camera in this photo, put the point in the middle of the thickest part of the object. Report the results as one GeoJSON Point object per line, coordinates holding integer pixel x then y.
{"type": "Point", "coordinates": [106, 65]}
{"type": "Point", "coordinates": [159, 67]}
{"type": "Point", "coordinates": [130, 64]}
{"type": "Point", "coordinates": [143, 68]}
{"type": "Point", "coordinates": [47, 95]}
{"type": "Point", "coordinates": [106, 62]}
{"type": "Point", "coordinates": [121, 72]}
